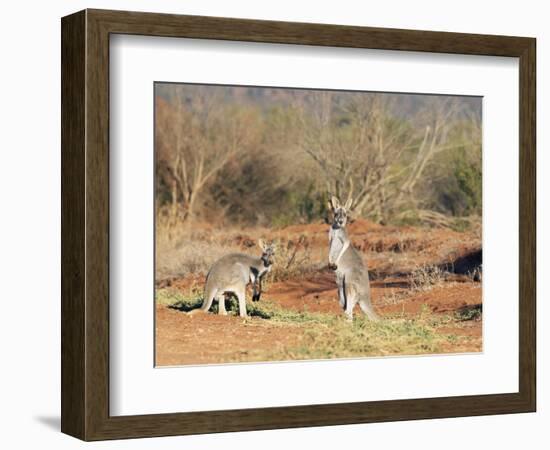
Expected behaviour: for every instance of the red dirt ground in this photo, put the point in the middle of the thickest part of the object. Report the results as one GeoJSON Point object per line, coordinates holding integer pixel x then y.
{"type": "Point", "coordinates": [210, 338]}
{"type": "Point", "coordinates": [390, 252]}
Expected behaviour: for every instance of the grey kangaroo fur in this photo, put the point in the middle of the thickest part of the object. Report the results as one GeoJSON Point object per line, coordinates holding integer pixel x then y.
{"type": "Point", "coordinates": [231, 274]}
{"type": "Point", "coordinates": [352, 276]}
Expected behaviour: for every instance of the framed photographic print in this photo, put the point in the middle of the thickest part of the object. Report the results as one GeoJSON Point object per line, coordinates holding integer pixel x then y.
{"type": "Point", "coordinates": [272, 225]}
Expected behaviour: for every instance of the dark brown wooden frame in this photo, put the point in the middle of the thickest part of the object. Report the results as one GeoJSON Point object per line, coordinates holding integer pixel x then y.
{"type": "Point", "coordinates": [85, 224]}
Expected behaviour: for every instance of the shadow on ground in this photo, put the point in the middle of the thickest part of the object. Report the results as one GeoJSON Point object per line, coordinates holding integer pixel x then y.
{"type": "Point", "coordinates": [231, 305]}
{"type": "Point", "coordinates": [51, 422]}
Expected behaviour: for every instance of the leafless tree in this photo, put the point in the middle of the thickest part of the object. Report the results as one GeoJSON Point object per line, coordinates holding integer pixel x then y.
{"type": "Point", "coordinates": [197, 137]}
{"type": "Point", "coordinates": [360, 147]}
{"type": "Point", "coordinates": [437, 121]}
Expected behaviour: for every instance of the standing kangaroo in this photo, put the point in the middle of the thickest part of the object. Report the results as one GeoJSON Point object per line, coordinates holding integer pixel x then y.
{"type": "Point", "coordinates": [231, 274]}
{"type": "Point", "coordinates": [352, 276]}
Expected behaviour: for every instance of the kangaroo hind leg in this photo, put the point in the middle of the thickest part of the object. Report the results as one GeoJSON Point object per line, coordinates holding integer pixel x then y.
{"type": "Point", "coordinates": [350, 300]}
{"type": "Point", "coordinates": [242, 303]}
{"type": "Point", "coordinates": [340, 282]}
{"type": "Point", "coordinates": [221, 304]}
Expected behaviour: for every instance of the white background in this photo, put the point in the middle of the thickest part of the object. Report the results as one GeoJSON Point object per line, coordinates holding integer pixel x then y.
{"type": "Point", "coordinates": [30, 234]}
{"type": "Point", "coordinates": [136, 387]}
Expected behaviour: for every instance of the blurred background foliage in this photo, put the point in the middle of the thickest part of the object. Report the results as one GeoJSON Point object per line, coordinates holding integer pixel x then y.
{"type": "Point", "coordinates": [272, 156]}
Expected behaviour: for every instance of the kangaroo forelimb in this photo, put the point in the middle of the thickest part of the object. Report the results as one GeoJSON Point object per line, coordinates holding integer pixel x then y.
{"type": "Point", "coordinates": [257, 289]}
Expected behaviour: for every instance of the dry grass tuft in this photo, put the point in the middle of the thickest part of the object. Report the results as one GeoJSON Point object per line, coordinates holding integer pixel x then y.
{"type": "Point", "coordinates": [293, 258]}
{"type": "Point", "coordinates": [425, 278]}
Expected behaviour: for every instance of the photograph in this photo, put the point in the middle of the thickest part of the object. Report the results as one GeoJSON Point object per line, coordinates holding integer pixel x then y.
{"type": "Point", "coordinates": [300, 224]}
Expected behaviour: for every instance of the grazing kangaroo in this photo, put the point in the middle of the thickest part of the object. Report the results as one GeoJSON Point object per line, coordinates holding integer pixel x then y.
{"type": "Point", "coordinates": [352, 276]}
{"type": "Point", "coordinates": [231, 274]}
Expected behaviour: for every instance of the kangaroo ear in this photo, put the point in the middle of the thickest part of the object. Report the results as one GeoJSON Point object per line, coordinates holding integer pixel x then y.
{"type": "Point", "coordinates": [261, 243]}
{"type": "Point", "coordinates": [347, 206]}
{"type": "Point", "coordinates": [334, 202]}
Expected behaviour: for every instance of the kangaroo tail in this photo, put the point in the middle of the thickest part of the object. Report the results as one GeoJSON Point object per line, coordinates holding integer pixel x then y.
{"type": "Point", "coordinates": [209, 296]}
{"type": "Point", "coordinates": [368, 310]}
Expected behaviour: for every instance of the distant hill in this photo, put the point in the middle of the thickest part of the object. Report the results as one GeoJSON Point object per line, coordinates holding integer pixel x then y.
{"type": "Point", "coordinates": [404, 104]}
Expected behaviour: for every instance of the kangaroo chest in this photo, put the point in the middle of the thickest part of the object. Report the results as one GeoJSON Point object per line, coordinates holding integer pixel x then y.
{"type": "Point", "coordinates": [258, 272]}
{"type": "Point", "coordinates": [339, 243]}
